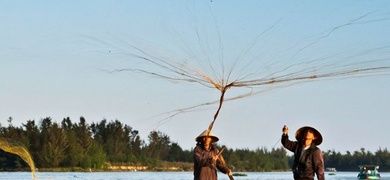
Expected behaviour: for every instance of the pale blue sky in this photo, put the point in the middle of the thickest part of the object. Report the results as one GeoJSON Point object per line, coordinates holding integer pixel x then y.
{"type": "Point", "coordinates": [54, 58]}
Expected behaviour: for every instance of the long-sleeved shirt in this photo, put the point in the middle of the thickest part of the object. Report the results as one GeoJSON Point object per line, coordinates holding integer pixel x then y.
{"type": "Point", "coordinates": [307, 162]}
{"type": "Point", "coordinates": [204, 167]}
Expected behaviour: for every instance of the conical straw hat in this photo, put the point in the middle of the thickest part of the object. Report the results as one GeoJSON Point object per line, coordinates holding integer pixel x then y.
{"type": "Point", "coordinates": [204, 134]}
{"type": "Point", "coordinates": [301, 132]}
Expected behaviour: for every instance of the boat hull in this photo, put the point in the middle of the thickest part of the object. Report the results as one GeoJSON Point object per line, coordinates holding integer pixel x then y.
{"type": "Point", "coordinates": [369, 172]}
{"type": "Point", "coordinates": [368, 176]}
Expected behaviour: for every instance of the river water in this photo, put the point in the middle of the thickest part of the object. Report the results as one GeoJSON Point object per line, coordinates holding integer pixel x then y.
{"type": "Point", "coordinates": [163, 176]}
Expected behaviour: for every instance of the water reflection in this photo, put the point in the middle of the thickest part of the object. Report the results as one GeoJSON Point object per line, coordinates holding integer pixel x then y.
{"type": "Point", "coordinates": [164, 175]}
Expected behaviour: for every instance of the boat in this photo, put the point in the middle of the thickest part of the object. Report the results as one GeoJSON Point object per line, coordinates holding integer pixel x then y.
{"type": "Point", "coordinates": [369, 172]}
{"type": "Point", "coordinates": [330, 169]}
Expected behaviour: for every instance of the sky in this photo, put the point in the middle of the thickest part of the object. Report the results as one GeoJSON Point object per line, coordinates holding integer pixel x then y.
{"type": "Point", "coordinates": [59, 59]}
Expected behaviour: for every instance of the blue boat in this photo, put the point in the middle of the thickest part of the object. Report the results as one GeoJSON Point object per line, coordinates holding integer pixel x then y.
{"type": "Point", "coordinates": [369, 172]}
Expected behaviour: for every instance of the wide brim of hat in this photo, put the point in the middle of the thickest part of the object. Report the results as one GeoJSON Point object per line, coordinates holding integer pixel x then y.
{"type": "Point", "coordinates": [301, 131]}
{"type": "Point", "coordinates": [206, 133]}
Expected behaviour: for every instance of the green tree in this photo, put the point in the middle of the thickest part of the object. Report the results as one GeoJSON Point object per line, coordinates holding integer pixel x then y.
{"type": "Point", "coordinates": [54, 142]}
{"type": "Point", "coordinates": [115, 139]}
{"type": "Point", "coordinates": [136, 143]}
{"type": "Point", "coordinates": [175, 153]}
{"type": "Point", "coordinates": [97, 156]}
{"type": "Point", "coordinates": [159, 145]}
{"type": "Point", "coordinates": [74, 152]}
{"type": "Point", "coordinates": [33, 135]}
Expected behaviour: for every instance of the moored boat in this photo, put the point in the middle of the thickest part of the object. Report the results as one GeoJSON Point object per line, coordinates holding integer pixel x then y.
{"type": "Point", "coordinates": [330, 169]}
{"type": "Point", "coordinates": [369, 172]}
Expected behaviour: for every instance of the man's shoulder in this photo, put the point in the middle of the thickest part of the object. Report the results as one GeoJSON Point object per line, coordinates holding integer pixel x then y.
{"type": "Point", "coordinates": [214, 148]}
{"type": "Point", "coordinates": [198, 147]}
{"type": "Point", "coordinates": [315, 149]}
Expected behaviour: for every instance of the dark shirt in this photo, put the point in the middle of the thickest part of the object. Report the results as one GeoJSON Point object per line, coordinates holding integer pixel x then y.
{"type": "Point", "coordinates": [306, 162]}
{"type": "Point", "coordinates": [204, 167]}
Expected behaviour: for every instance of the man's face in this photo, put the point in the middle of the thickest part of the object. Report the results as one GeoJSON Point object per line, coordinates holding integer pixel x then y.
{"type": "Point", "coordinates": [310, 135]}
{"type": "Point", "coordinates": [308, 138]}
{"type": "Point", "coordinates": [207, 140]}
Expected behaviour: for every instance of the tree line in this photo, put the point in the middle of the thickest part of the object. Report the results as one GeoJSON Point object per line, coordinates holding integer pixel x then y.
{"type": "Point", "coordinates": [111, 143]}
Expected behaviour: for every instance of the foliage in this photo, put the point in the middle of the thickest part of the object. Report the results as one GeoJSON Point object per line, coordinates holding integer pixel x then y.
{"type": "Point", "coordinates": [350, 162]}
{"type": "Point", "coordinates": [78, 146]}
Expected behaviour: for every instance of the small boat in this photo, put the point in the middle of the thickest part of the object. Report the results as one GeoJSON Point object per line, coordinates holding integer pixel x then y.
{"type": "Point", "coordinates": [239, 174]}
{"type": "Point", "coordinates": [369, 172]}
{"type": "Point", "coordinates": [330, 169]}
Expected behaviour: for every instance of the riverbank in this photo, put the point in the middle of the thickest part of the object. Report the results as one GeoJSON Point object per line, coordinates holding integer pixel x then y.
{"type": "Point", "coordinates": [166, 166]}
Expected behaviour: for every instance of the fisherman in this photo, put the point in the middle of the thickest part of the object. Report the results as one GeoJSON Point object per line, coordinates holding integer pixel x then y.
{"type": "Point", "coordinates": [207, 158]}
{"type": "Point", "coordinates": [308, 158]}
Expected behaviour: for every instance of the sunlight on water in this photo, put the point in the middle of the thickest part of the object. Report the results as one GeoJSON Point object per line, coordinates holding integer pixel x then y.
{"type": "Point", "coordinates": [21, 152]}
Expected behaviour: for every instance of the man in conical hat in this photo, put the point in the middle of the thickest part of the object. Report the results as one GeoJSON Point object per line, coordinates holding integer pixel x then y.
{"type": "Point", "coordinates": [308, 158]}
{"type": "Point", "coordinates": [206, 159]}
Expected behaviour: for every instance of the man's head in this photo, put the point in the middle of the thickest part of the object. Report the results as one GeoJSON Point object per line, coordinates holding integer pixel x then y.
{"type": "Point", "coordinates": [207, 139]}
{"type": "Point", "coordinates": [207, 136]}
{"type": "Point", "coordinates": [308, 135]}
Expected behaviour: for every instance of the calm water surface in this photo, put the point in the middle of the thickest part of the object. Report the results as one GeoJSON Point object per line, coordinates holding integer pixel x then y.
{"type": "Point", "coordinates": [163, 176]}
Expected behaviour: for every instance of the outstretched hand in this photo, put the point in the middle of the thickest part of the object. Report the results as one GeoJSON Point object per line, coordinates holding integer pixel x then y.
{"type": "Point", "coordinates": [285, 130]}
